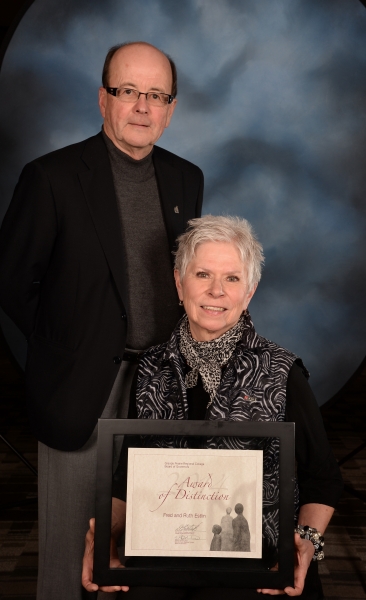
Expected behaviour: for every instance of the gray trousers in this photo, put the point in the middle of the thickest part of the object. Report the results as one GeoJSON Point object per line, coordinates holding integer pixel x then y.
{"type": "Point", "coordinates": [66, 502]}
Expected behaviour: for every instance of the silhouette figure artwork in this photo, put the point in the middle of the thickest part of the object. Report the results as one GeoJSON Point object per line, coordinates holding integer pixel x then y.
{"type": "Point", "coordinates": [241, 533]}
{"type": "Point", "coordinates": [233, 535]}
{"type": "Point", "coordinates": [227, 531]}
{"type": "Point", "coordinates": [216, 540]}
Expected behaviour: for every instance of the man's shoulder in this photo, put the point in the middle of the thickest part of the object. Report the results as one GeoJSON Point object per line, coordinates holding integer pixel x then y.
{"type": "Point", "coordinates": [164, 156]}
{"type": "Point", "coordinates": [93, 147]}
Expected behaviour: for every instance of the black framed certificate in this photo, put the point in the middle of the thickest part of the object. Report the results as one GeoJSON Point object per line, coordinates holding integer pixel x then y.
{"type": "Point", "coordinates": [195, 516]}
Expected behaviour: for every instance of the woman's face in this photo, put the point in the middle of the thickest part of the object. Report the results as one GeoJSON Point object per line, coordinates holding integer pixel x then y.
{"type": "Point", "coordinates": [214, 289]}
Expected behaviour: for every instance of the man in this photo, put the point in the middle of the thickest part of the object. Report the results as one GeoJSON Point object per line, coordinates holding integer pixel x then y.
{"type": "Point", "coordinates": [86, 271]}
{"type": "Point", "coordinates": [241, 533]}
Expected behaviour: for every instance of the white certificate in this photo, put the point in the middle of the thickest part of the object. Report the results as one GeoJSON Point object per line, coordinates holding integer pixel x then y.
{"type": "Point", "coordinates": [185, 502]}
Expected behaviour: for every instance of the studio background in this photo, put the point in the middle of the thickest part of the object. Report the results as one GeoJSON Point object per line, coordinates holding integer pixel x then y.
{"type": "Point", "coordinates": [272, 107]}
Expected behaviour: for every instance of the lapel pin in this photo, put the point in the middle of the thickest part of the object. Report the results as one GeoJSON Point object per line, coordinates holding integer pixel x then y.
{"type": "Point", "coordinates": [250, 398]}
{"type": "Point", "coordinates": [176, 209]}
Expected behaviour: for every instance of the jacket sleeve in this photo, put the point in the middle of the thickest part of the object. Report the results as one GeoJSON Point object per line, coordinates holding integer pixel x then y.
{"type": "Point", "coordinates": [318, 474]}
{"type": "Point", "coordinates": [27, 238]}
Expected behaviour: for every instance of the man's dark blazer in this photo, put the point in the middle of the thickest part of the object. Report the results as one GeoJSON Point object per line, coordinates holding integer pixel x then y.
{"type": "Point", "coordinates": [63, 279]}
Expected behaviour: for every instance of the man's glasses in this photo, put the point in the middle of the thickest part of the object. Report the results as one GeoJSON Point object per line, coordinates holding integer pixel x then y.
{"type": "Point", "coordinates": [131, 95]}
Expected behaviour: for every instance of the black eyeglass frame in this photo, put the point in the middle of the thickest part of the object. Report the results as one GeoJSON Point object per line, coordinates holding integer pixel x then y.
{"type": "Point", "coordinates": [113, 92]}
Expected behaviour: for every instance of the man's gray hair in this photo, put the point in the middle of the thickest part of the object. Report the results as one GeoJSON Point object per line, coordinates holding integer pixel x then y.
{"type": "Point", "coordinates": [212, 228]}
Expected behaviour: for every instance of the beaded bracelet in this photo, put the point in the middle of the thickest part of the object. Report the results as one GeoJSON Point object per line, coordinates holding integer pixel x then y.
{"type": "Point", "coordinates": [314, 536]}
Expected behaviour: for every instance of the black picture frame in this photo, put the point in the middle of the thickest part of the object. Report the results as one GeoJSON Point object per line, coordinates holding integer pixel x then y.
{"type": "Point", "coordinates": [184, 571]}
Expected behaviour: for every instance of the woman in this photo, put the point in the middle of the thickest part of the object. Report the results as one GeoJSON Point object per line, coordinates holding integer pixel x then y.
{"type": "Point", "coordinates": [227, 531]}
{"type": "Point", "coordinates": [215, 366]}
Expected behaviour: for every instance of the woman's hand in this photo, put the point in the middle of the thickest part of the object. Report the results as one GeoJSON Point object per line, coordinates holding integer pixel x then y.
{"type": "Point", "coordinates": [87, 573]}
{"type": "Point", "coordinates": [315, 515]}
{"type": "Point", "coordinates": [118, 525]}
{"type": "Point", "coordinates": [304, 552]}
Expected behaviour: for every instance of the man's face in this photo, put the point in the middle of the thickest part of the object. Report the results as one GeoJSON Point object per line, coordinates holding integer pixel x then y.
{"type": "Point", "coordinates": [134, 128]}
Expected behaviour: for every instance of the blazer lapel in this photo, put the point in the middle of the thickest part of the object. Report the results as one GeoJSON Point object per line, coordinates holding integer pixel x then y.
{"type": "Point", "coordinates": [98, 188]}
{"type": "Point", "coordinates": [171, 190]}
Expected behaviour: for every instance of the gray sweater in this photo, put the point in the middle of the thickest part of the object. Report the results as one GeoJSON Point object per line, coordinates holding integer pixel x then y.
{"type": "Point", "coordinates": [152, 310]}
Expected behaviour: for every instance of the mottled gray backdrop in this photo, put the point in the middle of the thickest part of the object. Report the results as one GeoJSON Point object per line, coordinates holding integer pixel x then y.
{"type": "Point", "coordinates": [272, 107]}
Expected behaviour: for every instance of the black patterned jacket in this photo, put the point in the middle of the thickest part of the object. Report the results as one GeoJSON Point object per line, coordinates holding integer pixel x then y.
{"type": "Point", "coordinates": [253, 387]}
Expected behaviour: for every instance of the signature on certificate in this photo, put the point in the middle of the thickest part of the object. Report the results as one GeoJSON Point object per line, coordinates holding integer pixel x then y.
{"type": "Point", "coordinates": [187, 528]}
{"type": "Point", "coordinates": [187, 534]}
{"type": "Point", "coordinates": [186, 539]}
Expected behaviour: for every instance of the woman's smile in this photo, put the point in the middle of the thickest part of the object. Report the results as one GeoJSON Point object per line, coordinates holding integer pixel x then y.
{"type": "Point", "coordinates": [214, 308]}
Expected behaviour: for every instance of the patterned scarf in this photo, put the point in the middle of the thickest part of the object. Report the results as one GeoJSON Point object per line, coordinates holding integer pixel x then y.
{"type": "Point", "coordinates": [207, 358]}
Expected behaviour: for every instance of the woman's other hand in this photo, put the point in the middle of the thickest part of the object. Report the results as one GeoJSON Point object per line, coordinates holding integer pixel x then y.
{"type": "Point", "coordinates": [304, 552]}
{"type": "Point", "coordinates": [88, 559]}
{"type": "Point", "coordinates": [315, 515]}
